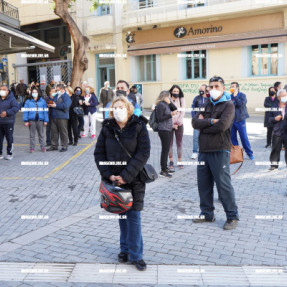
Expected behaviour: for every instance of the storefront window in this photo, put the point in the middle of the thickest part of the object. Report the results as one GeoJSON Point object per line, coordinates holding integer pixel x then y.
{"type": "Point", "coordinates": [196, 64]}
{"type": "Point", "coordinates": [147, 68]}
{"type": "Point", "coordinates": [264, 59]}
{"type": "Point", "coordinates": [145, 4]}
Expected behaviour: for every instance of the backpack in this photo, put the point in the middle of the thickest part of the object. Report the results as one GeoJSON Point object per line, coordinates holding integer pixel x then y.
{"type": "Point", "coordinates": [153, 122]}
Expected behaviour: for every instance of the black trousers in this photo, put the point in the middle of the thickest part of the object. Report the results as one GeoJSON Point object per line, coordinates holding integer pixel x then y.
{"type": "Point", "coordinates": [216, 169]}
{"type": "Point", "coordinates": [269, 135]}
{"type": "Point", "coordinates": [81, 125]}
{"type": "Point", "coordinates": [73, 129]}
{"type": "Point", "coordinates": [276, 150]}
{"type": "Point", "coordinates": [165, 138]}
{"type": "Point", "coordinates": [6, 130]}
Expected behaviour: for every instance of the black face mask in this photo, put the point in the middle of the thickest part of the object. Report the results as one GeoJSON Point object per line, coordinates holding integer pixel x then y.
{"type": "Point", "coordinates": [201, 93]}
{"type": "Point", "coordinates": [121, 93]}
{"type": "Point", "coordinates": [272, 93]}
{"type": "Point", "coordinates": [175, 95]}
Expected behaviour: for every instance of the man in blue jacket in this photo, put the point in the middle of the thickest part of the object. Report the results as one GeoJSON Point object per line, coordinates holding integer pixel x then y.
{"type": "Point", "coordinates": [241, 114]}
{"type": "Point", "coordinates": [197, 103]}
{"type": "Point", "coordinates": [8, 109]}
{"type": "Point", "coordinates": [59, 119]}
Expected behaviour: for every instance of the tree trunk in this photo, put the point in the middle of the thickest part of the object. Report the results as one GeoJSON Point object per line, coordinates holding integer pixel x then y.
{"type": "Point", "coordinates": [81, 42]}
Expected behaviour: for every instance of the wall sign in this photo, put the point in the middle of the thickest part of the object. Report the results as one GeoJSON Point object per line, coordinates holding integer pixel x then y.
{"type": "Point", "coordinates": [180, 32]}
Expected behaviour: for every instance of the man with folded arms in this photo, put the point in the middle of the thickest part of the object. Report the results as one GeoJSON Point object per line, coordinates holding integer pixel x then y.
{"type": "Point", "coordinates": [214, 150]}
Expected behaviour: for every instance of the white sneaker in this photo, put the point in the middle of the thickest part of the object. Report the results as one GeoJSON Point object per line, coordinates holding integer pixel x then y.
{"type": "Point", "coordinates": [1, 156]}
{"type": "Point", "coordinates": [9, 156]}
{"type": "Point", "coordinates": [194, 156]}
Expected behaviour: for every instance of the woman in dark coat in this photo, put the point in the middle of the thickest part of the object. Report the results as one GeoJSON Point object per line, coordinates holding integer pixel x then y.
{"type": "Point", "coordinates": [134, 136]}
{"type": "Point", "coordinates": [73, 117]}
{"type": "Point", "coordinates": [270, 102]}
{"type": "Point", "coordinates": [165, 109]}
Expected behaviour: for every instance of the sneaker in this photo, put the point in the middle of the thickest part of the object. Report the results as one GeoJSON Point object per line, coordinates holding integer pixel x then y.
{"type": "Point", "coordinates": [165, 174]}
{"type": "Point", "coordinates": [202, 219]}
{"type": "Point", "coordinates": [123, 257]}
{"type": "Point", "coordinates": [273, 168]}
{"type": "Point", "coordinates": [9, 156]}
{"type": "Point", "coordinates": [51, 148]}
{"type": "Point", "coordinates": [251, 157]}
{"type": "Point", "coordinates": [194, 156]}
{"type": "Point", "coordinates": [31, 150]}
{"type": "Point", "coordinates": [63, 149]}
{"type": "Point", "coordinates": [1, 156]}
{"type": "Point", "coordinates": [83, 136]}
{"type": "Point", "coordinates": [268, 145]}
{"type": "Point", "coordinates": [70, 143]}
{"type": "Point", "coordinates": [140, 265]}
{"type": "Point", "coordinates": [43, 149]}
{"type": "Point", "coordinates": [93, 136]}
{"type": "Point", "coordinates": [230, 224]}
{"type": "Point", "coordinates": [171, 166]}
{"type": "Point", "coordinates": [74, 144]}
{"type": "Point", "coordinates": [170, 170]}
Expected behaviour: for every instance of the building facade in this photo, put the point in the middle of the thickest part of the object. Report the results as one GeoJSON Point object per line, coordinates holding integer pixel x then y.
{"type": "Point", "coordinates": [161, 43]}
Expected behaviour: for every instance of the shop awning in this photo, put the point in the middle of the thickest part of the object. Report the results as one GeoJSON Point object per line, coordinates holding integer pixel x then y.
{"type": "Point", "coordinates": [207, 43]}
{"type": "Point", "coordinates": [15, 41]}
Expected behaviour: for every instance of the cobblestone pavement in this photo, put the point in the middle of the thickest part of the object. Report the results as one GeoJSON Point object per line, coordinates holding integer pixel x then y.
{"type": "Point", "coordinates": [66, 190]}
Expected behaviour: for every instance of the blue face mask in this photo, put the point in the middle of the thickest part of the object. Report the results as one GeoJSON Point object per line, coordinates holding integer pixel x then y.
{"type": "Point", "coordinates": [78, 93]}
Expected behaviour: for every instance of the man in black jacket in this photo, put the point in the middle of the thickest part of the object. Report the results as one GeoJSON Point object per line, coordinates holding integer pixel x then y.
{"type": "Point", "coordinates": [277, 120]}
{"type": "Point", "coordinates": [214, 150]}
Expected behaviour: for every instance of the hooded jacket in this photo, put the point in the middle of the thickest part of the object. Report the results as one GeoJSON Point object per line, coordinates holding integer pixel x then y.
{"type": "Point", "coordinates": [134, 137]}
{"type": "Point", "coordinates": [215, 137]}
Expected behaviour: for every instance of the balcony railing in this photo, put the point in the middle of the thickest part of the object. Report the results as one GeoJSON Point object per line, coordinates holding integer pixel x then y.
{"type": "Point", "coordinates": [9, 10]}
{"type": "Point", "coordinates": [148, 11]}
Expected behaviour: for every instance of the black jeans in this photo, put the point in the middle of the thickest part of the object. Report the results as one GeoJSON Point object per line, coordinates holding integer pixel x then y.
{"type": "Point", "coordinates": [269, 135]}
{"type": "Point", "coordinates": [216, 169]}
{"type": "Point", "coordinates": [276, 150]}
{"type": "Point", "coordinates": [165, 138]}
{"type": "Point", "coordinates": [81, 124]}
{"type": "Point", "coordinates": [73, 129]}
{"type": "Point", "coordinates": [6, 130]}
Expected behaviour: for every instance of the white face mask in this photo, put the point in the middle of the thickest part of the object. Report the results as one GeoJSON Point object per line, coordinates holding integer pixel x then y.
{"type": "Point", "coordinates": [2, 93]}
{"type": "Point", "coordinates": [215, 94]}
{"type": "Point", "coordinates": [284, 99]}
{"type": "Point", "coordinates": [120, 115]}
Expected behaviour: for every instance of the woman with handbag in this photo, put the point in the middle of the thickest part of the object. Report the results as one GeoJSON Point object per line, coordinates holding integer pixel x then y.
{"type": "Point", "coordinates": [165, 110]}
{"type": "Point", "coordinates": [123, 128]}
{"type": "Point", "coordinates": [73, 117]}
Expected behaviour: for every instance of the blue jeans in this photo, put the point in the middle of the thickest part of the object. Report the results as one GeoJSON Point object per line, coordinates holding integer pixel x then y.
{"type": "Point", "coordinates": [21, 100]}
{"type": "Point", "coordinates": [216, 169]}
{"type": "Point", "coordinates": [241, 128]}
{"type": "Point", "coordinates": [131, 235]}
{"type": "Point", "coordinates": [195, 141]}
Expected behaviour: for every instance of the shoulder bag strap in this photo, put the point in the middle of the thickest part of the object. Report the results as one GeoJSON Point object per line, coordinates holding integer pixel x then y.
{"type": "Point", "coordinates": [117, 138]}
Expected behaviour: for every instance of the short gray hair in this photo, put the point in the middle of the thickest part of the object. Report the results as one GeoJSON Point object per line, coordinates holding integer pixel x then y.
{"type": "Point", "coordinates": [280, 91]}
{"type": "Point", "coordinates": [61, 86]}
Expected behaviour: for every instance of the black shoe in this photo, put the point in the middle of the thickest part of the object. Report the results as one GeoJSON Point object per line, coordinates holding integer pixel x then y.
{"type": "Point", "coordinates": [140, 265]}
{"type": "Point", "coordinates": [51, 148]}
{"type": "Point", "coordinates": [74, 144]}
{"type": "Point", "coordinates": [230, 224]}
{"type": "Point", "coordinates": [48, 144]}
{"type": "Point", "coordinates": [123, 257]}
{"type": "Point", "coordinates": [165, 174]}
{"type": "Point", "coordinates": [63, 149]}
{"type": "Point", "coordinates": [169, 170]}
{"type": "Point", "coordinates": [273, 168]}
{"type": "Point", "coordinates": [268, 145]}
{"type": "Point", "coordinates": [79, 137]}
{"type": "Point", "coordinates": [202, 219]}
{"type": "Point", "coordinates": [70, 143]}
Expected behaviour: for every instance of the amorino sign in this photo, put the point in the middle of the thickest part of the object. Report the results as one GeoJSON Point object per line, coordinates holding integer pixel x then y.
{"type": "Point", "coordinates": [180, 32]}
